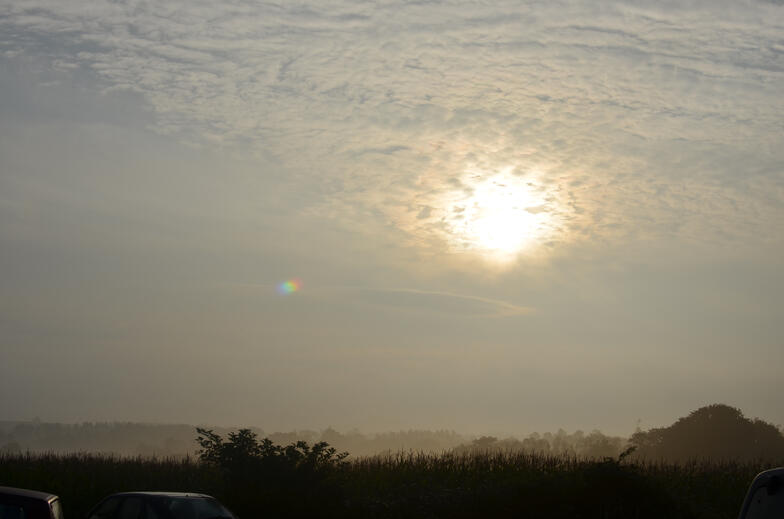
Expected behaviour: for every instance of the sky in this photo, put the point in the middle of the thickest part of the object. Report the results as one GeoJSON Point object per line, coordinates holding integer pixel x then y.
{"type": "Point", "coordinates": [497, 217]}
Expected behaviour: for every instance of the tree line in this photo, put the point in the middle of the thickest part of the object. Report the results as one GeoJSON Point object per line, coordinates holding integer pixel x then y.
{"type": "Point", "coordinates": [715, 431]}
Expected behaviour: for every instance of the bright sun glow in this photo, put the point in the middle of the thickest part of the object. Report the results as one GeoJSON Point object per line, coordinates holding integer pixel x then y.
{"type": "Point", "coordinates": [500, 215]}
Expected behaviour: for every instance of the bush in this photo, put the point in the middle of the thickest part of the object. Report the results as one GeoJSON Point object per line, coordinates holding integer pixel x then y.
{"type": "Point", "coordinates": [286, 479]}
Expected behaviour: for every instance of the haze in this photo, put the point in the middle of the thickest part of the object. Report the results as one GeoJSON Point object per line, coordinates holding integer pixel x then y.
{"type": "Point", "coordinates": [507, 217]}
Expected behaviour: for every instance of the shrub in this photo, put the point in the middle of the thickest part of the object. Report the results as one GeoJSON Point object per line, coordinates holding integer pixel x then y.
{"type": "Point", "coordinates": [285, 478]}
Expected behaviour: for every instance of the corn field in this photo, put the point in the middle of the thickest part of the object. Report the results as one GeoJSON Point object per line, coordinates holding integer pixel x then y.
{"type": "Point", "coordinates": [411, 485]}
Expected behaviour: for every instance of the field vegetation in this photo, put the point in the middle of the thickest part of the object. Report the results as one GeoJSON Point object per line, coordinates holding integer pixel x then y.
{"type": "Point", "coordinates": [650, 476]}
{"type": "Point", "coordinates": [491, 484]}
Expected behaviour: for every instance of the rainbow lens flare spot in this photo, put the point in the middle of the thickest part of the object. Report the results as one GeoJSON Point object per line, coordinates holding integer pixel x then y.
{"type": "Point", "coordinates": [290, 286]}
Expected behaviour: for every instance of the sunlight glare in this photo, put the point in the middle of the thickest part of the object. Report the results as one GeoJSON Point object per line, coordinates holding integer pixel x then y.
{"type": "Point", "coordinates": [500, 216]}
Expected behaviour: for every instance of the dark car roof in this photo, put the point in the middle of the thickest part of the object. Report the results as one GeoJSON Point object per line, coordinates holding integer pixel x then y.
{"type": "Point", "coordinates": [165, 494]}
{"type": "Point", "coordinates": [30, 494]}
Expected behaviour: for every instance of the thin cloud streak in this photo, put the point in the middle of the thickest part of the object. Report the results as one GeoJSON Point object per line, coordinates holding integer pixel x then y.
{"type": "Point", "coordinates": [504, 308]}
{"type": "Point", "coordinates": [500, 307]}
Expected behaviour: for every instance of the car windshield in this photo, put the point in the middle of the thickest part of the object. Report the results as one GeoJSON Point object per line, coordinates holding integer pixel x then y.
{"type": "Point", "coordinates": [190, 508]}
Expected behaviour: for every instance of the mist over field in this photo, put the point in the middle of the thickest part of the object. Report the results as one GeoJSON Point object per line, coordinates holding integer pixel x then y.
{"type": "Point", "coordinates": [127, 439]}
{"type": "Point", "coordinates": [712, 433]}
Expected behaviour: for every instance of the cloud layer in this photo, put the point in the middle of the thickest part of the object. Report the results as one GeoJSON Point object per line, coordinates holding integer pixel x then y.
{"type": "Point", "coordinates": [640, 120]}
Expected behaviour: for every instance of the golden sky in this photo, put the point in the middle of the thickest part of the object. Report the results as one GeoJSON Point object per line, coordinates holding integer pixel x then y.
{"type": "Point", "coordinates": [510, 217]}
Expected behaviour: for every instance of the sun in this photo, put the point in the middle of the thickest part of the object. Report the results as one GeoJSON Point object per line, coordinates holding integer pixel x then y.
{"type": "Point", "coordinates": [497, 215]}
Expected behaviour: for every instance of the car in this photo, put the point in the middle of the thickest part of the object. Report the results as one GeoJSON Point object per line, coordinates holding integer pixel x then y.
{"type": "Point", "coordinates": [765, 498]}
{"type": "Point", "coordinates": [20, 503]}
{"type": "Point", "coordinates": [159, 505]}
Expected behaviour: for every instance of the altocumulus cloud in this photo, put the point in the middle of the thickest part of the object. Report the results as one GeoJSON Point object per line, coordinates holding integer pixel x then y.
{"type": "Point", "coordinates": [636, 120]}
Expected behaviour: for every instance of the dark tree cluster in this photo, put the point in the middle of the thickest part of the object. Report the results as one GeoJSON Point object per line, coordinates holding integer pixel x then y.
{"type": "Point", "coordinates": [715, 432]}
{"type": "Point", "coordinates": [283, 477]}
{"type": "Point", "coordinates": [594, 445]}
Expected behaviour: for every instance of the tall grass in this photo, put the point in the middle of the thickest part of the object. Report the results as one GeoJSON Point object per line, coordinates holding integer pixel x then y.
{"type": "Point", "coordinates": [411, 485]}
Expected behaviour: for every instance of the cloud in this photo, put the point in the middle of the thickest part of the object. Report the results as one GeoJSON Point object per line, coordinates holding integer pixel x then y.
{"type": "Point", "coordinates": [410, 299]}
{"type": "Point", "coordinates": [643, 120]}
{"type": "Point", "coordinates": [446, 302]}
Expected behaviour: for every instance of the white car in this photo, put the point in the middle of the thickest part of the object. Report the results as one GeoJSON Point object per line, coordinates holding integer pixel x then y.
{"type": "Point", "coordinates": [765, 498]}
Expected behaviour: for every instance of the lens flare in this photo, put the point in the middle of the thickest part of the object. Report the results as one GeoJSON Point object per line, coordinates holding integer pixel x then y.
{"type": "Point", "coordinates": [290, 286]}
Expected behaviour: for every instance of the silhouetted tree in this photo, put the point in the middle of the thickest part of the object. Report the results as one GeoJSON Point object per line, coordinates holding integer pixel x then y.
{"type": "Point", "coordinates": [597, 445]}
{"type": "Point", "coordinates": [244, 451]}
{"type": "Point", "coordinates": [594, 445]}
{"type": "Point", "coordinates": [716, 432]}
{"type": "Point", "coordinates": [284, 477]}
